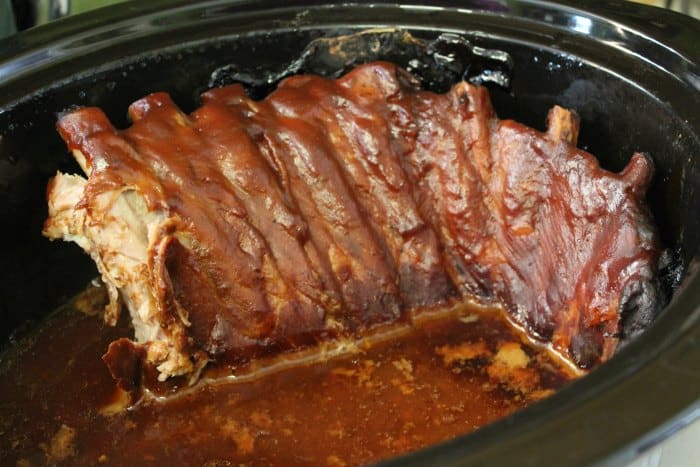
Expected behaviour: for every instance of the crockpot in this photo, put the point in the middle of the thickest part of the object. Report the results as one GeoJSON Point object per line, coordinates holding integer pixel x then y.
{"type": "Point", "coordinates": [630, 71]}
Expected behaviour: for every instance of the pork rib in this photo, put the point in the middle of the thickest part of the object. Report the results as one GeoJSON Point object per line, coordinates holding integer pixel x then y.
{"type": "Point", "coordinates": [333, 206]}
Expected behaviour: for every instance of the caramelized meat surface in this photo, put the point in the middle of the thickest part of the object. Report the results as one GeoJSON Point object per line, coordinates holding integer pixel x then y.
{"type": "Point", "coordinates": [335, 206]}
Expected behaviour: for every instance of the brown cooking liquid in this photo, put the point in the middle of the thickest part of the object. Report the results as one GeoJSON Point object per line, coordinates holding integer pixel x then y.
{"type": "Point", "coordinates": [442, 377]}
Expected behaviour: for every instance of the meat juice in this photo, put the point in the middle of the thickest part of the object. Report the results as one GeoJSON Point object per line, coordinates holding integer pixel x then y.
{"type": "Point", "coordinates": [443, 376]}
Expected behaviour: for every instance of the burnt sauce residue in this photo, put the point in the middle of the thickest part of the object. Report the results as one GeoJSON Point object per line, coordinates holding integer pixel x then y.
{"type": "Point", "coordinates": [438, 63]}
{"type": "Point", "coordinates": [442, 377]}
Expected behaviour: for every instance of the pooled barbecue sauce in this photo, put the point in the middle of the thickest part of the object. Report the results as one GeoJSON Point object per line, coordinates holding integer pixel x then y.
{"type": "Point", "coordinates": [445, 375]}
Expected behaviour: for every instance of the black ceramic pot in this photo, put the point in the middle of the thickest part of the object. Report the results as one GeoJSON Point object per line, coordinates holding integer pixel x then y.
{"type": "Point", "coordinates": [631, 72]}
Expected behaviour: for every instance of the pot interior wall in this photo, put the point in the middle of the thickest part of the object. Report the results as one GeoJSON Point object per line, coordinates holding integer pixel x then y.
{"type": "Point", "coordinates": [618, 117]}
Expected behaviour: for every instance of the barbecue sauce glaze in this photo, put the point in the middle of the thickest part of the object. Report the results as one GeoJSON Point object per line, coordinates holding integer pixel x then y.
{"type": "Point", "coordinates": [333, 207]}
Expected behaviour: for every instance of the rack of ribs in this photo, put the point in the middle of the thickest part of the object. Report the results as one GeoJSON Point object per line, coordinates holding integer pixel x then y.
{"type": "Point", "coordinates": [332, 207]}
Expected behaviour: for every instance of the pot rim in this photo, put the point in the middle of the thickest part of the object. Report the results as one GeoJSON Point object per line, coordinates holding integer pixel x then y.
{"type": "Point", "coordinates": [643, 395]}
